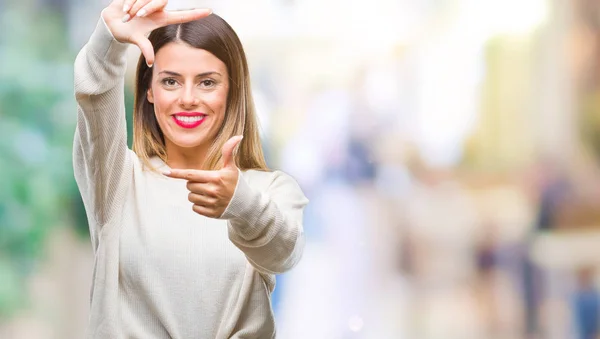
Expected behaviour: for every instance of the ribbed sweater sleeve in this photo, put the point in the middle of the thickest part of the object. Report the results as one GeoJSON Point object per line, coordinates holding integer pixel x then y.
{"type": "Point", "coordinates": [267, 226]}
{"type": "Point", "coordinates": [101, 158]}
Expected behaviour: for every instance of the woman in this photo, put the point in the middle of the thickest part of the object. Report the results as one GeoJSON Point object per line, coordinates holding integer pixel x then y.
{"type": "Point", "coordinates": [187, 232]}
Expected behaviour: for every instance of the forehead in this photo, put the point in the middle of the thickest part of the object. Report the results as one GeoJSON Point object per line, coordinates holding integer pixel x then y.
{"type": "Point", "coordinates": [183, 59]}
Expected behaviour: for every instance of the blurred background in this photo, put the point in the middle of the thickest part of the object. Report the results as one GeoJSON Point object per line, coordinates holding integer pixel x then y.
{"type": "Point", "coordinates": [450, 150]}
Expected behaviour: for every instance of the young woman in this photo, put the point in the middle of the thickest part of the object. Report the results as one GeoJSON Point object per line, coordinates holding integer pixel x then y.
{"type": "Point", "coordinates": [190, 227]}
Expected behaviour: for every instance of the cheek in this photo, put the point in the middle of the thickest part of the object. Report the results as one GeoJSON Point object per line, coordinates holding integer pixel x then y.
{"type": "Point", "coordinates": [163, 100]}
{"type": "Point", "coordinates": [218, 103]}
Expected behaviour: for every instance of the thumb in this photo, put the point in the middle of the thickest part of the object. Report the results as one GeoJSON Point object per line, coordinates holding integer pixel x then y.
{"type": "Point", "coordinates": [227, 151]}
{"type": "Point", "coordinates": [145, 47]}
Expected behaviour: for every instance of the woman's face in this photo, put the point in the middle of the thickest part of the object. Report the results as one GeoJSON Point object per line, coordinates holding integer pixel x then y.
{"type": "Point", "coordinates": [189, 91]}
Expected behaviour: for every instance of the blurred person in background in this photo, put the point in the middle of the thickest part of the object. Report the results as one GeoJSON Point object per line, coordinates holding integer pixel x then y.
{"type": "Point", "coordinates": [178, 258]}
{"type": "Point", "coordinates": [586, 304]}
{"type": "Point", "coordinates": [552, 188]}
{"type": "Point", "coordinates": [486, 267]}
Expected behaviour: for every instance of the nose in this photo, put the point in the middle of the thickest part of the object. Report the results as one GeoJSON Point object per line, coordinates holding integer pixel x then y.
{"type": "Point", "coordinates": [188, 97]}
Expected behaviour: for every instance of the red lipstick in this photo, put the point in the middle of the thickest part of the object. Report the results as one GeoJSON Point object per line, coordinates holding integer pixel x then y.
{"type": "Point", "coordinates": [189, 119]}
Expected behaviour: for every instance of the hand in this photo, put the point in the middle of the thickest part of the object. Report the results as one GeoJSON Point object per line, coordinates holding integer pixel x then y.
{"type": "Point", "coordinates": [211, 191]}
{"type": "Point", "coordinates": [131, 21]}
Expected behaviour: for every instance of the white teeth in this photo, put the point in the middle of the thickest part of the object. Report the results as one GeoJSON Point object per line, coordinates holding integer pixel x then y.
{"type": "Point", "coordinates": [189, 119]}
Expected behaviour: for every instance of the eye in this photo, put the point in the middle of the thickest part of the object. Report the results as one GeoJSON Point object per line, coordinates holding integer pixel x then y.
{"type": "Point", "coordinates": [207, 83]}
{"type": "Point", "coordinates": [169, 82]}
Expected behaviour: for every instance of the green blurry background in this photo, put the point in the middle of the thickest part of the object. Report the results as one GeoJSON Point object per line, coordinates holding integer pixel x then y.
{"type": "Point", "coordinates": [37, 192]}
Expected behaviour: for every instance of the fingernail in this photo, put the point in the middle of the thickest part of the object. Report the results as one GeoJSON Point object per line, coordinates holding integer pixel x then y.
{"type": "Point", "coordinates": [126, 18]}
{"type": "Point", "coordinates": [126, 8]}
{"type": "Point", "coordinates": [167, 172]}
{"type": "Point", "coordinates": [141, 12]}
{"type": "Point", "coordinates": [208, 11]}
{"type": "Point", "coordinates": [149, 65]}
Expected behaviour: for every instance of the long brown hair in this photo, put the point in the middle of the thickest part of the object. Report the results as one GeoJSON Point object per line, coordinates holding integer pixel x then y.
{"type": "Point", "coordinates": [214, 35]}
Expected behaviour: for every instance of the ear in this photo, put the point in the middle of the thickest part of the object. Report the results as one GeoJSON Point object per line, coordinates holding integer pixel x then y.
{"type": "Point", "coordinates": [150, 96]}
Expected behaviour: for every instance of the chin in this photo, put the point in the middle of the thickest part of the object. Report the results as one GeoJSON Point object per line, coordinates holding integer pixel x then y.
{"type": "Point", "coordinates": [189, 142]}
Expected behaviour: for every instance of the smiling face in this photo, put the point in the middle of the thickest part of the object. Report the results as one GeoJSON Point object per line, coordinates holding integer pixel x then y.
{"type": "Point", "coordinates": [189, 91]}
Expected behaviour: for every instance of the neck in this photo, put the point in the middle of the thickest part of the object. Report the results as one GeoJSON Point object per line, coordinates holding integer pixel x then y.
{"type": "Point", "coordinates": [185, 158]}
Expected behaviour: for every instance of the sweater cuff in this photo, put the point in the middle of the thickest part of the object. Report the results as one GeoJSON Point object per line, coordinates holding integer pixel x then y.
{"type": "Point", "coordinates": [239, 206]}
{"type": "Point", "coordinates": [104, 45]}
{"type": "Point", "coordinates": [244, 208]}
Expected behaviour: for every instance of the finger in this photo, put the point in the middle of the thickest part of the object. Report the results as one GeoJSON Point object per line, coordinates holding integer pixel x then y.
{"type": "Point", "coordinates": [227, 151]}
{"type": "Point", "coordinates": [192, 175]}
{"type": "Point", "coordinates": [132, 8]}
{"type": "Point", "coordinates": [145, 8]}
{"type": "Point", "coordinates": [179, 17]}
{"type": "Point", "coordinates": [152, 7]}
{"type": "Point", "coordinates": [202, 200]}
{"type": "Point", "coordinates": [146, 47]}
{"type": "Point", "coordinates": [206, 211]}
{"type": "Point", "coordinates": [127, 5]}
{"type": "Point", "coordinates": [205, 189]}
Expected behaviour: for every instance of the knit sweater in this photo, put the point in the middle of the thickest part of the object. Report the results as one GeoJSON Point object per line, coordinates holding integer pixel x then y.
{"type": "Point", "coordinates": [161, 270]}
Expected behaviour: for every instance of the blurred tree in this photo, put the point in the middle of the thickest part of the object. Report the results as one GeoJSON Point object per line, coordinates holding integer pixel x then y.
{"type": "Point", "coordinates": [37, 113]}
{"type": "Point", "coordinates": [586, 30]}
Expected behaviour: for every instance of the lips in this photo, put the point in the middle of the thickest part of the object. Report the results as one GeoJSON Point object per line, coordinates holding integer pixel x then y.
{"type": "Point", "coordinates": [189, 119]}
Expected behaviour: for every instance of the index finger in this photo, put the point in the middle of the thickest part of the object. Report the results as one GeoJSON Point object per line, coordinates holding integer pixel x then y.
{"type": "Point", "coordinates": [191, 175]}
{"type": "Point", "coordinates": [179, 17]}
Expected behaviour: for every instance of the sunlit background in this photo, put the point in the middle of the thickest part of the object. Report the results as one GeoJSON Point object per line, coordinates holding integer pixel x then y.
{"type": "Point", "coordinates": [450, 150]}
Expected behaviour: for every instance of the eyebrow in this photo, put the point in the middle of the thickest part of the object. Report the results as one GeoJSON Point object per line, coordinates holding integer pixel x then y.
{"type": "Point", "coordinates": [197, 76]}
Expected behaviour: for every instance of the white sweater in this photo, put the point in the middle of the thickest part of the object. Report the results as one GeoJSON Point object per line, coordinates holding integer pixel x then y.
{"type": "Point", "coordinates": [162, 270]}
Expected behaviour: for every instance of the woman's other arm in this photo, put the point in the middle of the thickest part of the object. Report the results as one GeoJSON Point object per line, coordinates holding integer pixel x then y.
{"type": "Point", "coordinates": [268, 226]}
{"type": "Point", "coordinates": [100, 154]}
